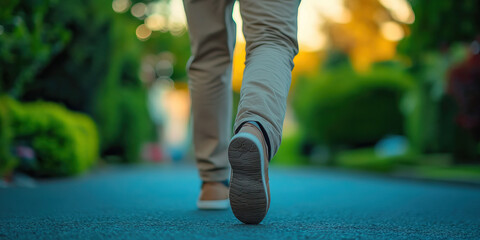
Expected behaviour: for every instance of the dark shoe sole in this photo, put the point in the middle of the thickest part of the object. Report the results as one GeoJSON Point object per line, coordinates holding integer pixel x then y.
{"type": "Point", "coordinates": [248, 191]}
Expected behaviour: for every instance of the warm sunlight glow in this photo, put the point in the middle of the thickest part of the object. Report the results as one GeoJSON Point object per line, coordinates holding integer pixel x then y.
{"type": "Point", "coordinates": [392, 31]}
{"type": "Point", "coordinates": [143, 32]}
{"type": "Point", "coordinates": [139, 10]}
{"type": "Point", "coordinates": [310, 36]}
{"type": "Point", "coordinates": [177, 20]}
{"type": "Point", "coordinates": [400, 10]}
{"type": "Point", "coordinates": [238, 20]}
{"type": "Point", "coordinates": [156, 22]}
{"type": "Point", "coordinates": [333, 10]}
{"type": "Point", "coordinates": [311, 17]}
{"type": "Point", "coordinates": [121, 6]}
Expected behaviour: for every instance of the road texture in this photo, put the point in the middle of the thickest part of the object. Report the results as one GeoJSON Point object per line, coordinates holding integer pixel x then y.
{"type": "Point", "coordinates": [158, 202]}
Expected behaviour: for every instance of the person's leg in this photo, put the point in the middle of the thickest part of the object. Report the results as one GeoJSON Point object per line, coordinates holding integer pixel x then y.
{"type": "Point", "coordinates": [212, 37]}
{"type": "Point", "coordinates": [270, 29]}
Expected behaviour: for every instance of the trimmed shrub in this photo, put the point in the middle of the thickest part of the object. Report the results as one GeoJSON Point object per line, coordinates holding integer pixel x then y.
{"type": "Point", "coordinates": [64, 142]}
{"type": "Point", "coordinates": [342, 107]}
{"type": "Point", "coordinates": [7, 161]}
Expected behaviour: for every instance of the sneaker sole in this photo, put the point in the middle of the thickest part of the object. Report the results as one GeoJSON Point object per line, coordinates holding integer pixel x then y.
{"type": "Point", "coordinates": [248, 190]}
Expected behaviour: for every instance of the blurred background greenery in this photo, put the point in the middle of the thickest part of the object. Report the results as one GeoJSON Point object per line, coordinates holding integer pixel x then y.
{"type": "Point", "coordinates": [379, 85]}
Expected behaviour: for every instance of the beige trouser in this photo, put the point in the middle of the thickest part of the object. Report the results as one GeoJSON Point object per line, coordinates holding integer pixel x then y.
{"type": "Point", "coordinates": [270, 29]}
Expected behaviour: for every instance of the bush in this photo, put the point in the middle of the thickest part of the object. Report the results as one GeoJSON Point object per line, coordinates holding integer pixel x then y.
{"type": "Point", "coordinates": [290, 152]}
{"type": "Point", "coordinates": [342, 107]}
{"type": "Point", "coordinates": [127, 125]}
{"type": "Point", "coordinates": [435, 45]}
{"type": "Point", "coordinates": [445, 122]}
{"type": "Point", "coordinates": [83, 55]}
{"type": "Point", "coordinates": [64, 142]}
{"type": "Point", "coordinates": [439, 24]}
{"type": "Point", "coordinates": [7, 161]}
{"type": "Point", "coordinates": [464, 87]}
{"type": "Point", "coordinates": [29, 41]}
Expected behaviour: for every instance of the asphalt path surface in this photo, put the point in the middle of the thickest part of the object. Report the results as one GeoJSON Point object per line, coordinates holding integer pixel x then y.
{"type": "Point", "coordinates": [158, 202]}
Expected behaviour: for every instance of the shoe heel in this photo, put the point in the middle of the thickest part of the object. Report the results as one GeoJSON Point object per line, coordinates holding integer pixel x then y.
{"type": "Point", "coordinates": [248, 196]}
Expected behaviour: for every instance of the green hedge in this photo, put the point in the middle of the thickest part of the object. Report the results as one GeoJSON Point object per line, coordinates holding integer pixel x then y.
{"type": "Point", "coordinates": [342, 107]}
{"type": "Point", "coordinates": [7, 161]}
{"type": "Point", "coordinates": [64, 142]}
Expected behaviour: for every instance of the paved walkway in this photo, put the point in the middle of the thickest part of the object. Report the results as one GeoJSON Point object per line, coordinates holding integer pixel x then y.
{"type": "Point", "coordinates": [159, 203]}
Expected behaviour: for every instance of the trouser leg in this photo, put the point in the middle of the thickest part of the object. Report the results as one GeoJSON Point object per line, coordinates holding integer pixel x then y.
{"type": "Point", "coordinates": [212, 37]}
{"type": "Point", "coordinates": [270, 29]}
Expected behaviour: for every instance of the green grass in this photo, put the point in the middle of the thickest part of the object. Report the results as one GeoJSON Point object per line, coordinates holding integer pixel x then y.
{"type": "Point", "coordinates": [366, 159]}
{"type": "Point", "coordinates": [463, 172]}
{"type": "Point", "coordinates": [431, 166]}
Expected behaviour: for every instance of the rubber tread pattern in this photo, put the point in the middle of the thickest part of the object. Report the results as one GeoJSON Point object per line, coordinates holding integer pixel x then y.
{"type": "Point", "coordinates": [248, 196]}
